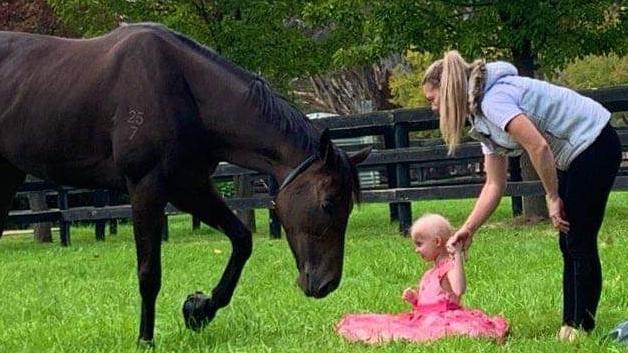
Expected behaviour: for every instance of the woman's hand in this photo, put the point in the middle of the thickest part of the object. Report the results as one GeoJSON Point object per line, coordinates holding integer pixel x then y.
{"type": "Point", "coordinates": [557, 213]}
{"type": "Point", "coordinates": [462, 238]}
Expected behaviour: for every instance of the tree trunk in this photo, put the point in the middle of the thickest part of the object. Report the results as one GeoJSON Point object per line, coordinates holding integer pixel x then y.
{"type": "Point", "coordinates": [42, 231]}
{"type": "Point", "coordinates": [350, 90]}
{"type": "Point", "coordinates": [534, 207]}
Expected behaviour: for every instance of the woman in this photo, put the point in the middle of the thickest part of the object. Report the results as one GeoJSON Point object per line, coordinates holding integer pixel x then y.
{"type": "Point", "coordinates": [572, 146]}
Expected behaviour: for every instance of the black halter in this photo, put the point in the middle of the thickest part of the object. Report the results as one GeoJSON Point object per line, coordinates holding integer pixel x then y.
{"type": "Point", "coordinates": [293, 175]}
{"type": "Point", "coordinates": [298, 170]}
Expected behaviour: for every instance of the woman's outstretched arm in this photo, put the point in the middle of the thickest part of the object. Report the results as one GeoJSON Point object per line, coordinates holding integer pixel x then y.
{"type": "Point", "coordinates": [496, 175]}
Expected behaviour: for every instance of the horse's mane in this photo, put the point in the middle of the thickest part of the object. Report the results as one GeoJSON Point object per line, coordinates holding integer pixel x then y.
{"type": "Point", "coordinates": [277, 110]}
{"type": "Point", "coordinates": [284, 116]}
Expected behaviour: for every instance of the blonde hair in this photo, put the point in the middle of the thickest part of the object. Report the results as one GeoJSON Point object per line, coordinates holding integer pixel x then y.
{"type": "Point", "coordinates": [433, 73]}
{"type": "Point", "coordinates": [450, 75]}
{"type": "Point", "coordinates": [436, 225]}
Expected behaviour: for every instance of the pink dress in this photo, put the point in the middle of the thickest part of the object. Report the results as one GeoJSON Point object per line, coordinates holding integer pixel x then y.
{"type": "Point", "coordinates": [437, 313]}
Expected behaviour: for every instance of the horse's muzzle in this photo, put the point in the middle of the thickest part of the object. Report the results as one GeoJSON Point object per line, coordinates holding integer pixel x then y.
{"type": "Point", "coordinates": [312, 287]}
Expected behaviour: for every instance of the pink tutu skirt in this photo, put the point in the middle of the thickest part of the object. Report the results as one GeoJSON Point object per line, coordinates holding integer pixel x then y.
{"type": "Point", "coordinates": [424, 324]}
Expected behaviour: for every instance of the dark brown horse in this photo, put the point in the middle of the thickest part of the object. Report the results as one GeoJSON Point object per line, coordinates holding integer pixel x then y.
{"type": "Point", "coordinates": [148, 111]}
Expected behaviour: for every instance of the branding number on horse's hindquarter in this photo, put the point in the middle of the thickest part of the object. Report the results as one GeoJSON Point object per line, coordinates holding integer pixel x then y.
{"type": "Point", "coordinates": [136, 119]}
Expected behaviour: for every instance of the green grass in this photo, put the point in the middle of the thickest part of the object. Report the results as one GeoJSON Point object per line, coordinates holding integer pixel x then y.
{"type": "Point", "coordinates": [84, 298]}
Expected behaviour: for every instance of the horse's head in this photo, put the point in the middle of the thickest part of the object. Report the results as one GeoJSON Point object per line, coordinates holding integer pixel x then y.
{"type": "Point", "coordinates": [314, 208]}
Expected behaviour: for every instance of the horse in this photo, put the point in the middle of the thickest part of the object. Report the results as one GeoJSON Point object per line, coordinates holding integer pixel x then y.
{"type": "Point", "coordinates": [150, 112]}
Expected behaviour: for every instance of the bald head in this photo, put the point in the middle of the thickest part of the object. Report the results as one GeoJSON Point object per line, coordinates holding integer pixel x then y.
{"type": "Point", "coordinates": [431, 225]}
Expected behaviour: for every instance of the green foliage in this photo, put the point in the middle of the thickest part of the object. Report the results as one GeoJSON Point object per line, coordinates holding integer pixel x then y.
{"type": "Point", "coordinates": [405, 81]}
{"type": "Point", "coordinates": [84, 298]}
{"type": "Point", "coordinates": [361, 31]}
{"type": "Point", "coordinates": [225, 188]}
{"type": "Point", "coordinates": [553, 31]}
{"type": "Point", "coordinates": [595, 71]}
{"type": "Point", "coordinates": [262, 36]}
{"type": "Point", "coordinates": [286, 39]}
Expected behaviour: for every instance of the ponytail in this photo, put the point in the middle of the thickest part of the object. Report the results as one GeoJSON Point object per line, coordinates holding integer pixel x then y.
{"type": "Point", "coordinates": [453, 108]}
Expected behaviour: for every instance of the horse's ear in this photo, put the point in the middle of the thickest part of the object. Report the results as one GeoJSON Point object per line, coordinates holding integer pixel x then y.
{"type": "Point", "coordinates": [326, 149]}
{"type": "Point", "coordinates": [360, 156]}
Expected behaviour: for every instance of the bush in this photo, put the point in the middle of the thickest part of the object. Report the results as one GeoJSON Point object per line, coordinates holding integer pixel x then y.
{"type": "Point", "coordinates": [405, 81]}
{"type": "Point", "coordinates": [594, 72]}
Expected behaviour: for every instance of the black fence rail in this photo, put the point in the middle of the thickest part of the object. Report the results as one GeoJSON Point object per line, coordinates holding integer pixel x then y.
{"type": "Point", "coordinates": [405, 165]}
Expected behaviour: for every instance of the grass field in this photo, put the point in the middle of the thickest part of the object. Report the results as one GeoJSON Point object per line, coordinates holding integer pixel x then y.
{"type": "Point", "coordinates": [84, 298]}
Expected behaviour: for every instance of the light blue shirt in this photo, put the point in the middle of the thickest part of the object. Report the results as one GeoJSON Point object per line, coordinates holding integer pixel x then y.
{"type": "Point", "coordinates": [569, 121]}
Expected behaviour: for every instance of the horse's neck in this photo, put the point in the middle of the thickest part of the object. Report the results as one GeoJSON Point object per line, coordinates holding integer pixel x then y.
{"type": "Point", "coordinates": [246, 138]}
{"type": "Point", "coordinates": [276, 159]}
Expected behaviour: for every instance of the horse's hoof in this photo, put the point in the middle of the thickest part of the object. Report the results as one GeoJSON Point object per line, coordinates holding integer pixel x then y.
{"type": "Point", "coordinates": [145, 344]}
{"type": "Point", "coordinates": [198, 311]}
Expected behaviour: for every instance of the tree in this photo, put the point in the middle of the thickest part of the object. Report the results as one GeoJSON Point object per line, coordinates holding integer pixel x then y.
{"type": "Point", "coordinates": [352, 90]}
{"type": "Point", "coordinates": [405, 82]}
{"type": "Point", "coordinates": [30, 16]}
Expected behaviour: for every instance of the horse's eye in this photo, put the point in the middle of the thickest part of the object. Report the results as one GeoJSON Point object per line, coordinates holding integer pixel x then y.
{"type": "Point", "coordinates": [327, 206]}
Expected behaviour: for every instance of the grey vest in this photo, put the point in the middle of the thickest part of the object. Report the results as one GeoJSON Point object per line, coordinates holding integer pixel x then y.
{"type": "Point", "coordinates": [569, 121]}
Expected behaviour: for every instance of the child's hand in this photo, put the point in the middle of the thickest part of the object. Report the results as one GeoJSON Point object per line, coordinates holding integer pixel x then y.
{"type": "Point", "coordinates": [458, 246]}
{"type": "Point", "coordinates": [459, 252]}
{"type": "Point", "coordinates": [409, 295]}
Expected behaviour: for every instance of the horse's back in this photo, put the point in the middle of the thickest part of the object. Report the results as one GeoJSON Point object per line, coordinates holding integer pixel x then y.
{"type": "Point", "coordinates": [56, 105]}
{"type": "Point", "coordinates": [68, 106]}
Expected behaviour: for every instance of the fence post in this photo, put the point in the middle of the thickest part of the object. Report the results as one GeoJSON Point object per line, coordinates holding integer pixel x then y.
{"type": "Point", "coordinates": [37, 202]}
{"type": "Point", "coordinates": [165, 233]}
{"type": "Point", "coordinates": [64, 227]}
{"type": "Point", "coordinates": [101, 199]}
{"type": "Point", "coordinates": [391, 172]}
{"type": "Point", "coordinates": [273, 221]}
{"type": "Point", "coordinates": [515, 175]}
{"type": "Point", "coordinates": [196, 223]}
{"type": "Point", "coordinates": [244, 189]}
{"type": "Point", "coordinates": [404, 209]}
{"type": "Point", "coordinates": [113, 200]}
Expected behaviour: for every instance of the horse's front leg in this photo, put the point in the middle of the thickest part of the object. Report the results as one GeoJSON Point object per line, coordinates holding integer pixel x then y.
{"type": "Point", "coordinates": [148, 199]}
{"type": "Point", "coordinates": [200, 309]}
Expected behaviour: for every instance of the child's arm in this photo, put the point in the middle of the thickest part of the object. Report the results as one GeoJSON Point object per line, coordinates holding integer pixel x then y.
{"type": "Point", "coordinates": [455, 276]}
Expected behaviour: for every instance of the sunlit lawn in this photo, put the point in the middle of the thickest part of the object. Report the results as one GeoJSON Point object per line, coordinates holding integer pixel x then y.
{"type": "Point", "coordinates": [84, 298]}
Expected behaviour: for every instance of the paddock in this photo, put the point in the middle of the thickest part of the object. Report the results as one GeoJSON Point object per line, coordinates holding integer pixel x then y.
{"type": "Point", "coordinates": [83, 298]}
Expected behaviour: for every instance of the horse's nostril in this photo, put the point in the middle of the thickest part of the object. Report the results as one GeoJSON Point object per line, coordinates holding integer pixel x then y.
{"type": "Point", "coordinates": [327, 288]}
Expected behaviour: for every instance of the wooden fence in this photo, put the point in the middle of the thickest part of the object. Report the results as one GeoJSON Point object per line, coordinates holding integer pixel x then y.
{"type": "Point", "coordinates": [397, 157]}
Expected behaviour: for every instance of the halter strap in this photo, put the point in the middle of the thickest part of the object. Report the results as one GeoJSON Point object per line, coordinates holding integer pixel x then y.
{"type": "Point", "coordinates": [298, 170]}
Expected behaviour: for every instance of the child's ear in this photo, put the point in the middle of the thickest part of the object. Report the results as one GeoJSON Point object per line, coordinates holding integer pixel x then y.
{"type": "Point", "coordinates": [439, 241]}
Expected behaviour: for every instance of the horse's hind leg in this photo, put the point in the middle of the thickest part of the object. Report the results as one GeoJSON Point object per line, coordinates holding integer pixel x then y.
{"type": "Point", "coordinates": [12, 178]}
{"type": "Point", "coordinates": [202, 201]}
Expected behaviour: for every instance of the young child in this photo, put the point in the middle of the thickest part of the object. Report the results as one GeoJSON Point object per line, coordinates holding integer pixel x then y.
{"type": "Point", "coordinates": [437, 311]}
